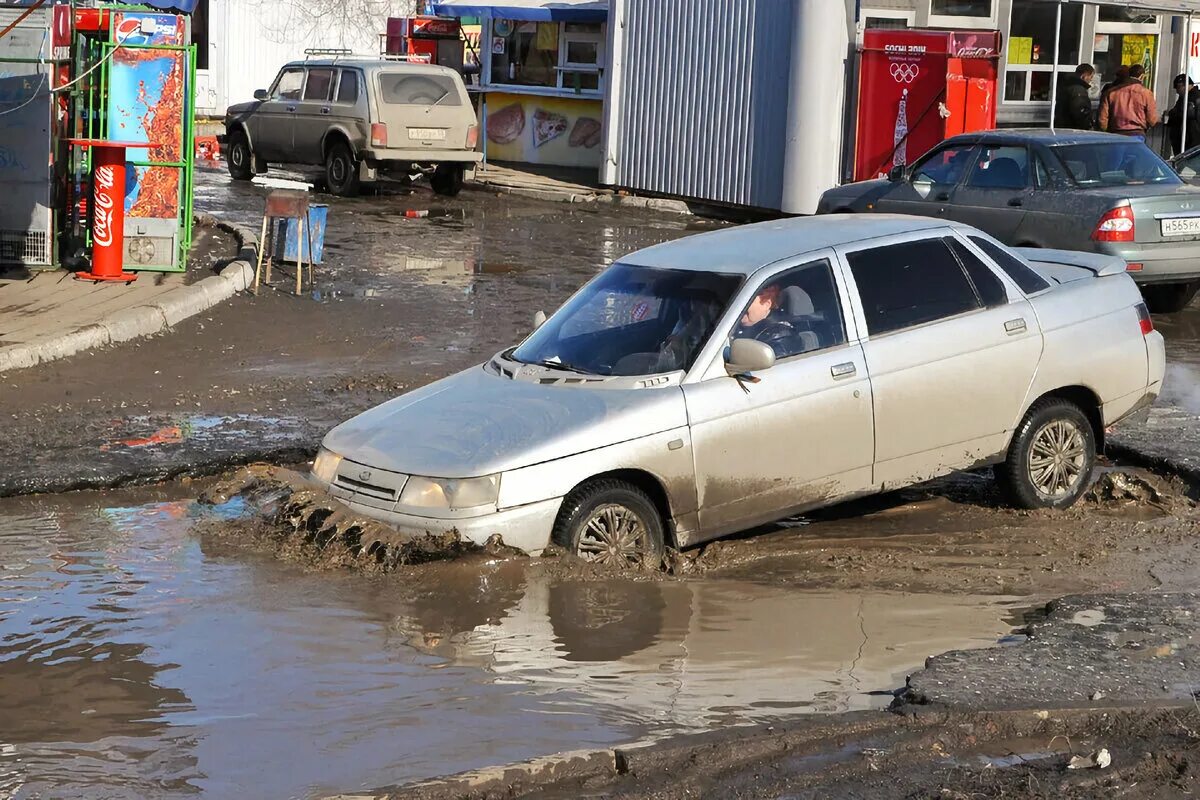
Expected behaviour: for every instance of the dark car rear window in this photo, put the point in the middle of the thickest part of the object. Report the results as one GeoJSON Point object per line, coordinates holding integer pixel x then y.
{"type": "Point", "coordinates": [1128, 163]}
{"type": "Point", "coordinates": [410, 89]}
{"type": "Point", "coordinates": [1029, 281]}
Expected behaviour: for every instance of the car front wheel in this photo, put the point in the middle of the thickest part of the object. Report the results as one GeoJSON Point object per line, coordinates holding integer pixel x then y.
{"type": "Point", "coordinates": [1168, 298]}
{"type": "Point", "coordinates": [448, 179]}
{"type": "Point", "coordinates": [1051, 458]}
{"type": "Point", "coordinates": [341, 170]}
{"type": "Point", "coordinates": [613, 523]}
{"type": "Point", "coordinates": [241, 159]}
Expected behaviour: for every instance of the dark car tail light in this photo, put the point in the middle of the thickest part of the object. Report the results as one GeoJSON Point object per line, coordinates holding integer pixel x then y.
{"type": "Point", "coordinates": [1144, 319]}
{"type": "Point", "coordinates": [1116, 225]}
{"type": "Point", "coordinates": [378, 134]}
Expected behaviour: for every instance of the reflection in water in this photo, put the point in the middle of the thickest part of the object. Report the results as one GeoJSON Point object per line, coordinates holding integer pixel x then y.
{"type": "Point", "coordinates": [139, 661]}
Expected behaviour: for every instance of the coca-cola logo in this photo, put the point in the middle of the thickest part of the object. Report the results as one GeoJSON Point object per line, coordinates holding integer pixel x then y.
{"type": "Point", "coordinates": [102, 219]}
{"type": "Point", "coordinates": [976, 52]}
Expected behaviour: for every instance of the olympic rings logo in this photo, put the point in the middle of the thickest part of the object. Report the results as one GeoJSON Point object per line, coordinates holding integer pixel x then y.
{"type": "Point", "coordinates": [905, 73]}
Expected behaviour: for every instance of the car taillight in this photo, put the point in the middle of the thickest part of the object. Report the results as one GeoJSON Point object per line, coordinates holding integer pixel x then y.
{"type": "Point", "coordinates": [1144, 320]}
{"type": "Point", "coordinates": [1115, 226]}
{"type": "Point", "coordinates": [1134, 267]}
{"type": "Point", "coordinates": [378, 134]}
{"type": "Point", "coordinates": [472, 137]}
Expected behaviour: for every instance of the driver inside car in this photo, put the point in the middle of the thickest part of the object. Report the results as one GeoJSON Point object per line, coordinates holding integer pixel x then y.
{"type": "Point", "coordinates": [764, 321]}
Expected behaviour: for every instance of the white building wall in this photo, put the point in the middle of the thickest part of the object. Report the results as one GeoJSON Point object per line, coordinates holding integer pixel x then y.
{"type": "Point", "coordinates": [249, 40]}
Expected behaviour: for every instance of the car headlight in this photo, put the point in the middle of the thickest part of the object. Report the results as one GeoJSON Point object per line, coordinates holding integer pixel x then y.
{"type": "Point", "coordinates": [450, 493]}
{"type": "Point", "coordinates": [325, 466]}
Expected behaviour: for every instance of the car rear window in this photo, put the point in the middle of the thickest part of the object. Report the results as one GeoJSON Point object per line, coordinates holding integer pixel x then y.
{"type": "Point", "coordinates": [411, 89]}
{"type": "Point", "coordinates": [989, 288]}
{"type": "Point", "coordinates": [1128, 163]}
{"type": "Point", "coordinates": [1029, 281]}
{"type": "Point", "coordinates": [911, 283]}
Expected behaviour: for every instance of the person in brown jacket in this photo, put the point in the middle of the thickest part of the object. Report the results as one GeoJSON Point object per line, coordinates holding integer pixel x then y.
{"type": "Point", "coordinates": [1129, 107]}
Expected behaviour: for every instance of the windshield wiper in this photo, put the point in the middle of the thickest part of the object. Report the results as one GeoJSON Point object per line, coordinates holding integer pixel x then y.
{"type": "Point", "coordinates": [445, 94]}
{"type": "Point", "coordinates": [559, 365]}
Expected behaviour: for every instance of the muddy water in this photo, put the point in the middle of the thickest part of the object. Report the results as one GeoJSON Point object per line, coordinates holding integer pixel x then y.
{"type": "Point", "coordinates": [137, 660]}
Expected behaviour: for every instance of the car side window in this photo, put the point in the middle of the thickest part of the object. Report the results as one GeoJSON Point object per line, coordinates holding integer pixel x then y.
{"type": "Point", "coordinates": [1041, 175]}
{"type": "Point", "coordinates": [945, 167]}
{"type": "Point", "coordinates": [348, 87]}
{"type": "Point", "coordinates": [988, 287]}
{"type": "Point", "coordinates": [795, 313]}
{"type": "Point", "coordinates": [288, 85]}
{"type": "Point", "coordinates": [319, 86]}
{"type": "Point", "coordinates": [998, 167]}
{"type": "Point", "coordinates": [1029, 281]}
{"type": "Point", "coordinates": [910, 283]}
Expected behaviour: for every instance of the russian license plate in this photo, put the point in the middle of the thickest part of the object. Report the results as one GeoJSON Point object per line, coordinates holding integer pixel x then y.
{"type": "Point", "coordinates": [1181, 226]}
{"type": "Point", "coordinates": [427, 134]}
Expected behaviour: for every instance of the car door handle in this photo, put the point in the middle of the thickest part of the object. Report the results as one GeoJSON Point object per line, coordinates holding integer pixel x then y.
{"type": "Point", "coordinates": [840, 371]}
{"type": "Point", "coordinates": [326, 110]}
{"type": "Point", "coordinates": [942, 196]}
{"type": "Point", "coordinates": [1015, 326]}
{"type": "Point", "coordinates": [1016, 202]}
{"type": "Point", "coordinates": [291, 109]}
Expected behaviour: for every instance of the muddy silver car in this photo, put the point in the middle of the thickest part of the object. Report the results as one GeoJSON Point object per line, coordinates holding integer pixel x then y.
{"type": "Point", "coordinates": [362, 119]}
{"type": "Point", "coordinates": [718, 382]}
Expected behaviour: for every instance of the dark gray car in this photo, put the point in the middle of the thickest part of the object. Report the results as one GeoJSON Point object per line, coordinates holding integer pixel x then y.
{"type": "Point", "coordinates": [1064, 190]}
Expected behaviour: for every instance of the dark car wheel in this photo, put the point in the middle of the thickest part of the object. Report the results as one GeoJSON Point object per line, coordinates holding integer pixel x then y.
{"type": "Point", "coordinates": [241, 159]}
{"type": "Point", "coordinates": [341, 170]}
{"type": "Point", "coordinates": [1051, 458]}
{"type": "Point", "coordinates": [1168, 298]}
{"type": "Point", "coordinates": [613, 523]}
{"type": "Point", "coordinates": [448, 179]}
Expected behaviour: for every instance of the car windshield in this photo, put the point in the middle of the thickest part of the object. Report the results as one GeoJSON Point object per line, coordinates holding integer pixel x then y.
{"type": "Point", "coordinates": [632, 321]}
{"type": "Point", "coordinates": [1114, 164]}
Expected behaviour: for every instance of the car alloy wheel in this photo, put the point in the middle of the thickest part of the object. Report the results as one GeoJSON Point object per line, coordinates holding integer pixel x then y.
{"type": "Point", "coordinates": [614, 536]}
{"type": "Point", "coordinates": [1057, 459]}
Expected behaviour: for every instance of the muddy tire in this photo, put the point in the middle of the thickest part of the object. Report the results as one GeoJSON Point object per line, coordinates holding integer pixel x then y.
{"type": "Point", "coordinates": [612, 523]}
{"type": "Point", "coordinates": [447, 179]}
{"type": "Point", "coordinates": [1051, 458]}
{"type": "Point", "coordinates": [341, 170]}
{"type": "Point", "coordinates": [240, 157]}
{"type": "Point", "coordinates": [1169, 298]}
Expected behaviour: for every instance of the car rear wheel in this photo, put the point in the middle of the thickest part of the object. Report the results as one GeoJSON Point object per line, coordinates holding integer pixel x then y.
{"type": "Point", "coordinates": [1168, 298]}
{"type": "Point", "coordinates": [241, 159]}
{"type": "Point", "coordinates": [447, 179]}
{"type": "Point", "coordinates": [613, 523]}
{"type": "Point", "coordinates": [341, 170]}
{"type": "Point", "coordinates": [1051, 458]}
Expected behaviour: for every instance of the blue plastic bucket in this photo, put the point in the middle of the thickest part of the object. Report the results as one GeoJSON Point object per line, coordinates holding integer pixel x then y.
{"type": "Point", "coordinates": [290, 240]}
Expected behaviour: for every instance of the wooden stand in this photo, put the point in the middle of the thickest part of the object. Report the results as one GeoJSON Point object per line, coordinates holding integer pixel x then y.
{"type": "Point", "coordinates": [284, 205]}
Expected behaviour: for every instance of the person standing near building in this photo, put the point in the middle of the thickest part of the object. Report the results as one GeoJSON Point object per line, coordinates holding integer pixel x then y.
{"type": "Point", "coordinates": [1074, 109]}
{"type": "Point", "coordinates": [1129, 107]}
{"type": "Point", "coordinates": [1184, 114]}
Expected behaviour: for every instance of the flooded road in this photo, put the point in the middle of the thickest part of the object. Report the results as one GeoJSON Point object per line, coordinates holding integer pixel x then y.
{"type": "Point", "coordinates": [139, 660]}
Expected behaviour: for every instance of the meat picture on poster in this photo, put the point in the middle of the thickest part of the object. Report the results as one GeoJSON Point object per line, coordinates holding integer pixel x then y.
{"type": "Point", "coordinates": [507, 124]}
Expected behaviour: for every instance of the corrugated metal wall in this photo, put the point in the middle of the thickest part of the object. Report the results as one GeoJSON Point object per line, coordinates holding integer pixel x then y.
{"type": "Point", "coordinates": [703, 98]}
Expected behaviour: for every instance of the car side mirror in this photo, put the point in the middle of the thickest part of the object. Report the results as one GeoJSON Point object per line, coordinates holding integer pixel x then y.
{"type": "Point", "coordinates": [539, 319]}
{"type": "Point", "coordinates": [896, 173]}
{"type": "Point", "coordinates": [260, 94]}
{"type": "Point", "coordinates": [749, 355]}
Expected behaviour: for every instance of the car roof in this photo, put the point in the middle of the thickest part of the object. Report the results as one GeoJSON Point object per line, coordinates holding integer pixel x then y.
{"type": "Point", "coordinates": [1045, 136]}
{"type": "Point", "coordinates": [363, 62]}
{"type": "Point", "coordinates": [747, 248]}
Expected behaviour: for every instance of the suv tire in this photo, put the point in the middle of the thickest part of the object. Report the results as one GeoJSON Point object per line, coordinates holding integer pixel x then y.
{"type": "Point", "coordinates": [1168, 298]}
{"type": "Point", "coordinates": [341, 170]}
{"type": "Point", "coordinates": [611, 522]}
{"type": "Point", "coordinates": [447, 179]}
{"type": "Point", "coordinates": [1051, 458]}
{"type": "Point", "coordinates": [240, 156]}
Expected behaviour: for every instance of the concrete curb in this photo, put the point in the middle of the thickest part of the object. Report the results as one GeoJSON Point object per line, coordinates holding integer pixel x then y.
{"type": "Point", "coordinates": [600, 196]}
{"type": "Point", "coordinates": [145, 320]}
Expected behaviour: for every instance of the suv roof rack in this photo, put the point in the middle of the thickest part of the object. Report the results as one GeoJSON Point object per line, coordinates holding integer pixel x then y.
{"type": "Point", "coordinates": [309, 52]}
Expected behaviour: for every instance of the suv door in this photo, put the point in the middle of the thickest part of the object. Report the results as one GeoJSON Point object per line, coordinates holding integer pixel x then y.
{"type": "Point", "coordinates": [994, 195]}
{"type": "Point", "coordinates": [952, 349]}
{"type": "Point", "coordinates": [927, 188]}
{"type": "Point", "coordinates": [802, 434]}
{"type": "Point", "coordinates": [272, 122]}
{"type": "Point", "coordinates": [313, 114]}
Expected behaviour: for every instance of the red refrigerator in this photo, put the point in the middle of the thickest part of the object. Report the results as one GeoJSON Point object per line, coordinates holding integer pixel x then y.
{"type": "Point", "coordinates": [918, 87]}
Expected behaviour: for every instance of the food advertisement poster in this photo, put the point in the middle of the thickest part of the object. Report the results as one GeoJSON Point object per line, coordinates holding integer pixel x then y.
{"type": "Point", "coordinates": [1139, 49]}
{"type": "Point", "coordinates": [555, 131]}
{"type": "Point", "coordinates": [146, 104]}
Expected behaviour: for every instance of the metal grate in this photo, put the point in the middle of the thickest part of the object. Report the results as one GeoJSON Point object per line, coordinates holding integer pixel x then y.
{"type": "Point", "coordinates": [28, 248]}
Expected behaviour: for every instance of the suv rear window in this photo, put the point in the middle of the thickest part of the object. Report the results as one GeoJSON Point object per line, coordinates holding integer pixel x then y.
{"type": "Point", "coordinates": [411, 89]}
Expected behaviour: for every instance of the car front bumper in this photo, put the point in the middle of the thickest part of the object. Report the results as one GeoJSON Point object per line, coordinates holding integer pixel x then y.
{"type": "Point", "coordinates": [527, 528]}
{"type": "Point", "coordinates": [1162, 262]}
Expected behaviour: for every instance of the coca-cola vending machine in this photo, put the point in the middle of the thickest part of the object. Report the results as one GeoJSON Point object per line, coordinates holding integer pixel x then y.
{"type": "Point", "coordinates": [432, 40]}
{"type": "Point", "coordinates": [918, 87]}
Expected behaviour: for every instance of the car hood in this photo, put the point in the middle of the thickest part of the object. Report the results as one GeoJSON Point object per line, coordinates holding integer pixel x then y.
{"type": "Point", "coordinates": [478, 423]}
{"type": "Point", "coordinates": [242, 108]}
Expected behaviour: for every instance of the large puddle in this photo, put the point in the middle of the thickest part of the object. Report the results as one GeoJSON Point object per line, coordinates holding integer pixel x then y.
{"type": "Point", "coordinates": [137, 660]}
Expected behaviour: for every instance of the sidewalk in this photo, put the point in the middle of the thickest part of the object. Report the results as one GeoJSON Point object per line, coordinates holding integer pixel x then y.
{"type": "Point", "coordinates": [46, 315]}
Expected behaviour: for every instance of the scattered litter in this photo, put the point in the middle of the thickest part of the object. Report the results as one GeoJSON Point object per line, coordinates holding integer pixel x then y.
{"type": "Point", "coordinates": [1043, 715]}
{"type": "Point", "coordinates": [1099, 759]}
{"type": "Point", "coordinates": [1097, 695]}
{"type": "Point", "coordinates": [1088, 618]}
